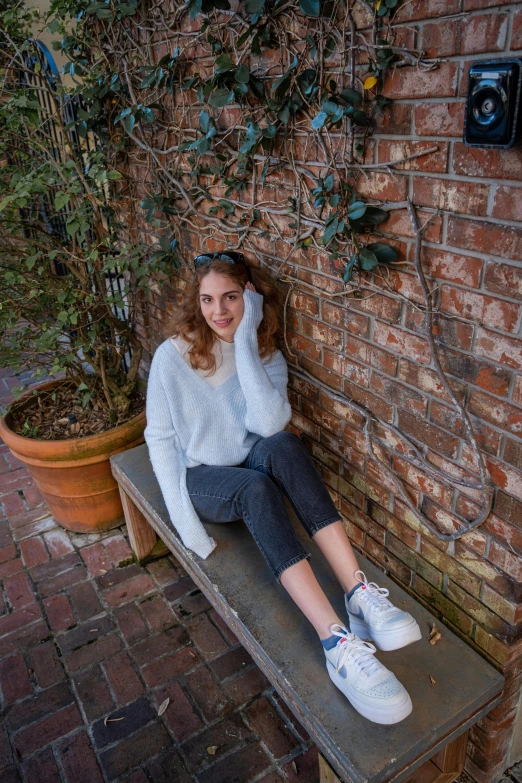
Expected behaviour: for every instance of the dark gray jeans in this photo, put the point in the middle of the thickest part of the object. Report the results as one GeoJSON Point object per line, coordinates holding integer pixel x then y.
{"type": "Point", "coordinates": [253, 491]}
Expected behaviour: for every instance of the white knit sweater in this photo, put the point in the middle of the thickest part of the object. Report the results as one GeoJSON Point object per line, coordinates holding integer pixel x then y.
{"type": "Point", "coordinates": [191, 423]}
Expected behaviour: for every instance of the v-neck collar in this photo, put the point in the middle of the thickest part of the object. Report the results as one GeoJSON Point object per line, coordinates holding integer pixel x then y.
{"type": "Point", "coordinates": [224, 388]}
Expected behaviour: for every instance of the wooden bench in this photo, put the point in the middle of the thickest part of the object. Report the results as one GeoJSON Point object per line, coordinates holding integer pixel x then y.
{"type": "Point", "coordinates": [428, 747]}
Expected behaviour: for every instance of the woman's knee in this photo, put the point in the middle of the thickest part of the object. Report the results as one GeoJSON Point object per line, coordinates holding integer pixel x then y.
{"type": "Point", "coordinates": [258, 486]}
{"type": "Point", "coordinates": [284, 442]}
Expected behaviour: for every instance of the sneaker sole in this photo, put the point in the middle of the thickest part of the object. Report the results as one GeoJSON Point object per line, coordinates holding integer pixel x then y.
{"type": "Point", "coordinates": [387, 640]}
{"type": "Point", "coordinates": [377, 714]}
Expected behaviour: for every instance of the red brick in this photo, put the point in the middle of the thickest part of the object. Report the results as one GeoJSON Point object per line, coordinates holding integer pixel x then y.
{"type": "Point", "coordinates": [439, 119]}
{"type": "Point", "coordinates": [7, 553]}
{"type": "Point", "coordinates": [155, 646]}
{"type": "Point", "coordinates": [323, 333]}
{"type": "Point", "coordinates": [383, 187]}
{"type": "Point", "coordinates": [451, 195]}
{"type": "Point", "coordinates": [96, 559]}
{"type": "Point", "coordinates": [45, 662]}
{"type": "Point", "coordinates": [34, 527]}
{"type": "Point", "coordinates": [135, 751]}
{"type": "Point", "coordinates": [224, 736]}
{"type": "Point", "coordinates": [33, 552]}
{"type": "Point", "coordinates": [484, 33]}
{"type": "Point", "coordinates": [47, 730]}
{"type": "Point", "coordinates": [58, 543]}
{"type": "Point", "coordinates": [16, 479]}
{"type": "Point", "coordinates": [304, 768]}
{"type": "Point", "coordinates": [10, 567]}
{"type": "Point", "coordinates": [14, 679]}
{"type": "Point", "coordinates": [163, 572]}
{"type": "Point", "coordinates": [304, 303]}
{"type": "Point", "coordinates": [506, 350]}
{"type": "Point", "coordinates": [399, 223]}
{"type": "Point", "coordinates": [496, 164]}
{"type": "Point", "coordinates": [18, 590]}
{"type": "Point", "coordinates": [93, 693]}
{"type": "Point", "coordinates": [384, 307]}
{"type": "Point", "coordinates": [59, 612]}
{"type": "Point", "coordinates": [12, 504]}
{"type": "Point", "coordinates": [93, 653]}
{"type": "Point", "coordinates": [507, 203]}
{"type": "Point", "coordinates": [118, 549]}
{"type": "Point", "coordinates": [394, 119]}
{"type": "Point", "coordinates": [266, 722]}
{"type": "Point", "coordinates": [426, 9]}
{"type": "Point", "coordinates": [181, 718]}
{"type": "Point", "coordinates": [504, 279]}
{"type": "Point", "coordinates": [85, 601]}
{"type": "Point", "coordinates": [402, 342]}
{"type": "Point", "coordinates": [389, 150]}
{"type": "Point", "coordinates": [129, 590]}
{"type": "Point", "coordinates": [441, 38]}
{"type": "Point", "coordinates": [245, 763]}
{"type": "Point", "coordinates": [218, 621]}
{"type": "Point", "coordinates": [487, 310]}
{"type": "Point", "coordinates": [33, 497]}
{"type": "Point", "coordinates": [206, 637]}
{"type": "Point", "coordinates": [19, 619]}
{"type": "Point", "coordinates": [412, 83]}
{"type": "Point", "coordinates": [78, 760]}
{"type": "Point", "coordinates": [243, 688]}
{"type": "Point", "coordinates": [158, 614]}
{"type": "Point", "coordinates": [126, 684]}
{"type": "Point", "coordinates": [516, 33]}
{"type": "Point", "coordinates": [42, 769]}
{"type": "Point", "coordinates": [169, 667]}
{"type": "Point", "coordinates": [483, 237]}
{"type": "Point", "coordinates": [131, 623]}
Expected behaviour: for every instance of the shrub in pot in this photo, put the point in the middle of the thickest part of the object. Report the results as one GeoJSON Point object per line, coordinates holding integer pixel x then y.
{"type": "Point", "coordinates": [69, 284]}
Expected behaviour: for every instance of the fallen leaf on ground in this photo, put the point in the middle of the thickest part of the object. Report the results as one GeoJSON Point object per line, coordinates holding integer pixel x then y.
{"type": "Point", "coordinates": [433, 680]}
{"type": "Point", "coordinates": [93, 630]}
{"type": "Point", "coordinates": [111, 720]}
{"type": "Point", "coordinates": [163, 706]}
{"type": "Point", "coordinates": [434, 635]}
{"type": "Point", "coordinates": [211, 750]}
{"type": "Point", "coordinates": [294, 767]}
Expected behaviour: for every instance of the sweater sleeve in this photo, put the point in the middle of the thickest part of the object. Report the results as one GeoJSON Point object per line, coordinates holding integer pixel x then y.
{"type": "Point", "coordinates": [166, 457]}
{"type": "Point", "coordinates": [263, 386]}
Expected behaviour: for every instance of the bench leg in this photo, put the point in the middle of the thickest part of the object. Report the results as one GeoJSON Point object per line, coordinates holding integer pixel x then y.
{"type": "Point", "coordinates": [327, 775]}
{"type": "Point", "coordinates": [142, 537]}
{"type": "Point", "coordinates": [444, 766]}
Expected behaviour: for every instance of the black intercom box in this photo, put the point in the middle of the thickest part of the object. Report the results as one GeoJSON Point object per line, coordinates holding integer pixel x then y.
{"type": "Point", "coordinates": [492, 109]}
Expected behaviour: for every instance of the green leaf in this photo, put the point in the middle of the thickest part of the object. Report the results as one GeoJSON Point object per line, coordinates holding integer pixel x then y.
{"type": "Point", "coordinates": [129, 122]}
{"type": "Point", "coordinates": [348, 270]}
{"type": "Point", "coordinates": [61, 199]}
{"type": "Point", "coordinates": [242, 74]}
{"type": "Point", "coordinates": [329, 182]}
{"type": "Point", "coordinates": [221, 97]}
{"type": "Point", "coordinates": [384, 253]}
{"type": "Point", "coordinates": [224, 63]}
{"type": "Point", "coordinates": [367, 259]}
{"type": "Point", "coordinates": [330, 231]}
{"type": "Point", "coordinates": [310, 7]}
{"type": "Point", "coordinates": [329, 47]}
{"type": "Point", "coordinates": [334, 200]}
{"type": "Point", "coordinates": [360, 118]}
{"type": "Point", "coordinates": [254, 7]}
{"type": "Point", "coordinates": [319, 120]}
{"type": "Point", "coordinates": [352, 96]}
{"type": "Point", "coordinates": [194, 8]}
{"type": "Point", "coordinates": [357, 210]}
{"type": "Point", "coordinates": [373, 216]}
{"type": "Point", "coordinates": [204, 121]}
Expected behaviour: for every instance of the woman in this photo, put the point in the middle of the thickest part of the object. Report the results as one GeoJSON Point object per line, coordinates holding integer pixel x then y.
{"type": "Point", "coordinates": [217, 406]}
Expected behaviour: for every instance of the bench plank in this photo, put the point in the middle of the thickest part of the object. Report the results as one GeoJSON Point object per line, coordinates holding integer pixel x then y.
{"type": "Point", "coordinates": [237, 581]}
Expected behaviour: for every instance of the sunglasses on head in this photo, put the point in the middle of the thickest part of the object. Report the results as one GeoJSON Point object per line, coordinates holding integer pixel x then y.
{"type": "Point", "coordinates": [230, 257]}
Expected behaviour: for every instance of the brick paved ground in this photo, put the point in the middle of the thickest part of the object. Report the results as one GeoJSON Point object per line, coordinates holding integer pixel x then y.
{"type": "Point", "coordinates": [92, 644]}
{"type": "Point", "coordinates": [86, 635]}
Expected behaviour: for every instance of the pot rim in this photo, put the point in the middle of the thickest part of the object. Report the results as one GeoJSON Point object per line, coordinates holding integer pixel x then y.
{"type": "Point", "coordinates": [72, 448]}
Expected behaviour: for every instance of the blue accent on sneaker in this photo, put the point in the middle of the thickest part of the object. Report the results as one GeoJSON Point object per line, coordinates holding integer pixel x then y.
{"type": "Point", "coordinates": [352, 591]}
{"type": "Point", "coordinates": [330, 643]}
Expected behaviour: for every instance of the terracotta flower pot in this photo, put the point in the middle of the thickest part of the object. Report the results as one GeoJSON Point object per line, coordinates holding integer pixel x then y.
{"type": "Point", "coordinates": [74, 476]}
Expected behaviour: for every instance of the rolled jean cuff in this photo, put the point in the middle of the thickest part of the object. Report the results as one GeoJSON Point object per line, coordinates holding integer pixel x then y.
{"type": "Point", "coordinates": [319, 526]}
{"type": "Point", "coordinates": [293, 561]}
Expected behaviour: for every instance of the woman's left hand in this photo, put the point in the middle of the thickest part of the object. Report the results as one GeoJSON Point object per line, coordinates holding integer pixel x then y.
{"type": "Point", "coordinates": [253, 306]}
{"type": "Point", "coordinates": [250, 287]}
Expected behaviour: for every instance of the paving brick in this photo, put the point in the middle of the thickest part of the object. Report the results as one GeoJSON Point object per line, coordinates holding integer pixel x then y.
{"type": "Point", "coordinates": [131, 623]}
{"type": "Point", "coordinates": [122, 722]}
{"type": "Point", "coordinates": [243, 688]}
{"type": "Point", "coordinates": [10, 775]}
{"type": "Point", "coordinates": [6, 756]}
{"type": "Point", "coordinates": [117, 549]}
{"type": "Point", "coordinates": [33, 552]}
{"type": "Point", "coordinates": [237, 767]}
{"type": "Point", "coordinates": [129, 590]}
{"type": "Point", "coordinates": [135, 751]}
{"type": "Point", "coordinates": [10, 567]}
{"type": "Point", "coordinates": [157, 613]}
{"type": "Point", "coordinates": [206, 637]}
{"type": "Point", "coordinates": [156, 646]}
{"type": "Point", "coordinates": [12, 504]}
{"type": "Point", "coordinates": [19, 619]}
{"type": "Point", "coordinates": [78, 760]}
{"type": "Point", "coordinates": [169, 667]}
{"type": "Point", "coordinates": [39, 706]}
{"type": "Point", "coordinates": [55, 567]}
{"type": "Point", "coordinates": [58, 543]}
{"type": "Point", "coordinates": [42, 768]}
{"type": "Point", "coordinates": [14, 679]}
{"type": "Point", "coordinates": [7, 553]}
{"type": "Point", "coordinates": [270, 727]}
{"type": "Point", "coordinates": [47, 730]}
{"type": "Point", "coordinates": [96, 559]}
{"type": "Point", "coordinates": [33, 497]}
{"type": "Point", "coordinates": [93, 693]}
{"type": "Point", "coordinates": [85, 602]}
{"type": "Point", "coordinates": [225, 735]}
{"type": "Point", "coordinates": [124, 681]}
{"type": "Point", "coordinates": [46, 664]}
{"type": "Point", "coordinates": [59, 612]}
{"type": "Point", "coordinates": [169, 767]}
{"type": "Point", "coordinates": [304, 768]}
{"type": "Point", "coordinates": [230, 637]}
{"type": "Point", "coordinates": [163, 572]}
{"type": "Point", "coordinates": [93, 652]}
{"type": "Point", "coordinates": [231, 663]}
{"type": "Point", "coordinates": [33, 528]}
{"type": "Point", "coordinates": [18, 590]}
{"type": "Point", "coordinates": [178, 589]}
{"type": "Point", "coordinates": [116, 576]}
{"type": "Point", "coordinates": [180, 715]}
{"type": "Point", "coordinates": [207, 694]}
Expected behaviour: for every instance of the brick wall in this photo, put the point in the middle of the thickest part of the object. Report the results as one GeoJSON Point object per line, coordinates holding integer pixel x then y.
{"type": "Point", "coordinates": [374, 350]}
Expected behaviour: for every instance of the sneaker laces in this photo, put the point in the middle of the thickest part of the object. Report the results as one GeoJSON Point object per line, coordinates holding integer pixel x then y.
{"type": "Point", "coordinates": [351, 648]}
{"type": "Point", "coordinates": [375, 595]}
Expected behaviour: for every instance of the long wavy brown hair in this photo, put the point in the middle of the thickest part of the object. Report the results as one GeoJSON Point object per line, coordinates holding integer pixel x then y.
{"type": "Point", "coordinates": [190, 323]}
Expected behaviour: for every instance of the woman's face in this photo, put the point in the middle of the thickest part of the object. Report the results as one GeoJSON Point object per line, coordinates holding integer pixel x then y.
{"type": "Point", "coordinates": [222, 305]}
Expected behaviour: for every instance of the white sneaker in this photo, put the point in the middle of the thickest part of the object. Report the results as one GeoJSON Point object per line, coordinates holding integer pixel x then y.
{"type": "Point", "coordinates": [373, 616]}
{"type": "Point", "coordinates": [375, 692]}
